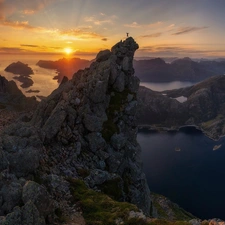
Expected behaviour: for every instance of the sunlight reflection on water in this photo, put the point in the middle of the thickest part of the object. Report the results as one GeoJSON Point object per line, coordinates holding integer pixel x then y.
{"type": "Point", "coordinates": [42, 78]}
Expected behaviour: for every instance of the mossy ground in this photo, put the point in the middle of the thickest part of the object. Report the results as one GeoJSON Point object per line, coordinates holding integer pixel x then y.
{"type": "Point", "coordinates": [178, 213]}
{"type": "Point", "coordinates": [209, 123]}
{"type": "Point", "coordinates": [112, 188]}
{"type": "Point", "coordinates": [100, 209]}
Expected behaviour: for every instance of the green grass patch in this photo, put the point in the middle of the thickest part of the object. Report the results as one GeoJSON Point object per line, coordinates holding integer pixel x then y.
{"type": "Point", "coordinates": [112, 188]}
{"type": "Point", "coordinates": [100, 209]}
{"type": "Point", "coordinates": [178, 213]}
{"type": "Point", "coordinates": [209, 123]}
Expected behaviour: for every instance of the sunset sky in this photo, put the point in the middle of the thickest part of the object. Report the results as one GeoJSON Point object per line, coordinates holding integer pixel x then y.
{"type": "Point", "coordinates": [164, 28]}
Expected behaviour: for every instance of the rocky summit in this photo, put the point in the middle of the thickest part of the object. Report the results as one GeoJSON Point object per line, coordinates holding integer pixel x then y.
{"type": "Point", "coordinates": [85, 130]}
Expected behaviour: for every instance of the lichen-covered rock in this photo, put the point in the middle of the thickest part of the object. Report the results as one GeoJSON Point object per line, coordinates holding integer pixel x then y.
{"type": "Point", "coordinates": [97, 177]}
{"type": "Point", "coordinates": [11, 196]}
{"type": "Point", "coordinates": [96, 142]}
{"type": "Point", "coordinates": [39, 195]}
{"type": "Point", "coordinates": [31, 215]}
{"type": "Point", "coordinates": [13, 217]}
{"type": "Point", "coordinates": [24, 161]}
{"type": "Point", "coordinates": [103, 55]}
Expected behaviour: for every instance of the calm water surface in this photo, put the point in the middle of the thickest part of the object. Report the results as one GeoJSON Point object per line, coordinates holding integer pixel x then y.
{"type": "Point", "coordinates": [42, 78]}
{"type": "Point", "coordinates": [183, 166]}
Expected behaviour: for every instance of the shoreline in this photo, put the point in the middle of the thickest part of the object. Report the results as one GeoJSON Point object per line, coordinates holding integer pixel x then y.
{"type": "Point", "coordinates": [166, 129]}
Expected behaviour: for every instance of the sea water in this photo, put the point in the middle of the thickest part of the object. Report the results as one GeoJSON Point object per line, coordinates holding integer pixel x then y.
{"type": "Point", "coordinates": [42, 78]}
{"type": "Point", "coordinates": [184, 167]}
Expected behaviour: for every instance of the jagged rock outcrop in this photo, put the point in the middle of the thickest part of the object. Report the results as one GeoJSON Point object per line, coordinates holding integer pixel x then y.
{"type": "Point", "coordinates": [12, 97]}
{"type": "Point", "coordinates": [85, 129]}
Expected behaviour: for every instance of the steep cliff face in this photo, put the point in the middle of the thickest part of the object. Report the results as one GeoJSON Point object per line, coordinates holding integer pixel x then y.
{"type": "Point", "coordinates": [93, 115]}
{"type": "Point", "coordinates": [85, 129]}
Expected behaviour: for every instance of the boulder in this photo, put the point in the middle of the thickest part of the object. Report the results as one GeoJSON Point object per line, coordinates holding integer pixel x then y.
{"type": "Point", "coordinates": [38, 195]}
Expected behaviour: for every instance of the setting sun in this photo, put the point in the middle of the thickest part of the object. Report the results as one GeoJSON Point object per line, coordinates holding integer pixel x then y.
{"type": "Point", "coordinates": [68, 51]}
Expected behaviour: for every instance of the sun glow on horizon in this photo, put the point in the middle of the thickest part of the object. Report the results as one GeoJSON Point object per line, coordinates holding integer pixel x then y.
{"type": "Point", "coordinates": [68, 51]}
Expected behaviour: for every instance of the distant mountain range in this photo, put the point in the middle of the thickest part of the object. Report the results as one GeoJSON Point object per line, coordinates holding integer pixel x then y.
{"type": "Point", "coordinates": [149, 69]}
{"type": "Point", "coordinates": [157, 70]}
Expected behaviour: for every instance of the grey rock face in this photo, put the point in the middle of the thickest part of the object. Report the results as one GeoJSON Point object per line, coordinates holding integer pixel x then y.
{"type": "Point", "coordinates": [39, 196]}
{"type": "Point", "coordinates": [85, 129]}
{"type": "Point", "coordinates": [105, 119]}
{"type": "Point", "coordinates": [30, 215]}
{"type": "Point", "coordinates": [103, 55]}
{"type": "Point", "coordinates": [11, 196]}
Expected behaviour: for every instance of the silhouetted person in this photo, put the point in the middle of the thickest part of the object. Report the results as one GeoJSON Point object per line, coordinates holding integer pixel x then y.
{"type": "Point", "coordinates": [127, 34]}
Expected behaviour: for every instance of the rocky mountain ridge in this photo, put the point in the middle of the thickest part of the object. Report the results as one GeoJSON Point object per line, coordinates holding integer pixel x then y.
{"type": "Point", "coordinates": [86, 129]}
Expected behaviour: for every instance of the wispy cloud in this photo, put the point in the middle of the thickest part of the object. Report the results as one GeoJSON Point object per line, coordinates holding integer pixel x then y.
{"type": "Point", "coordinates": [179, 51]}
{"type": "Point", "coordinates": [13, 50]}
{"type": "Point", "coordinates": [28, 7]}
{"type": "Point", "coordinates": [81, 34]}
{"type": "Point", "coordinates": [28, 12]}
{"type": "Point", "coordinates": [137, 25]}
{"type": "Point", "coordinates": [184, 30]}
{"type": "Point", "coordinates": [104, 39]}
{"type": "Point", "coordinates": [154, 35]}
{"type": "Point", "coordinates": [97, 21]}
{"type": "Point", "coordinates": [31, 46]}
{"type": "Point", "coordinates": [17, 24]}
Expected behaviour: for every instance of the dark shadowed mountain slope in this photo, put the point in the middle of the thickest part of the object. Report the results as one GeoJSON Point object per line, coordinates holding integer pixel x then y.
{"type": "Point", "coordinates": [11, 97]}
{"type": "Point", "coordinates": [205, 106]}
{"type": "Point", "coordinates": [156, 70]}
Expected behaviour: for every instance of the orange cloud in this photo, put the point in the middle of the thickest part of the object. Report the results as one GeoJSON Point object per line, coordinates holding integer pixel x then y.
{"type": "Point", "coordinates": [17, 24]}
{"type": "Point", "coordinates": [28, 7]}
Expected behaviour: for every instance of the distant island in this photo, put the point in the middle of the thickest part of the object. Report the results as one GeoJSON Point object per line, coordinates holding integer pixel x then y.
{"type": "Point", "coordinates": [65, 67]}
{"type": "Point", "coordinates": [24, 72]}
{"type": "Point", "coordinates": [32, 91]}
